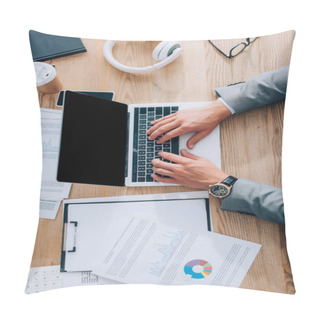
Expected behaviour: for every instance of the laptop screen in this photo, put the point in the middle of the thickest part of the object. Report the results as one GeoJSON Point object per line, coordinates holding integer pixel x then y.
{"type": "Point", "coordinates": [93, 141]}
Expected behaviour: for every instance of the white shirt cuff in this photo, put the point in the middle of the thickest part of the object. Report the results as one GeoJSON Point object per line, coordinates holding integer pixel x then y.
{"type": "Point", "coordinates": [227, 105]}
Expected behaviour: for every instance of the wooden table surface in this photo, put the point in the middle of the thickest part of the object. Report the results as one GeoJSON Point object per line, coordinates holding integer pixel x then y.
{"type": "Point", "coordinates": [251, 143]}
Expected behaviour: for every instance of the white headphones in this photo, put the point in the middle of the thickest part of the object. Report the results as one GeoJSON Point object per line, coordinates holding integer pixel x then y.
{"type": "Point", "coordinates": [166, 52]}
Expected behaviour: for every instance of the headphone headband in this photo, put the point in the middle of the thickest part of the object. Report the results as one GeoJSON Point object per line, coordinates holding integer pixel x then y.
{"type": "Point", "coordinates": [174, 51]}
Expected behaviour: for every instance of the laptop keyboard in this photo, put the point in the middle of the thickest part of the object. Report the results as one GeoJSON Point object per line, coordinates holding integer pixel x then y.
{"type": "Point", "coordinates": [145, 150]}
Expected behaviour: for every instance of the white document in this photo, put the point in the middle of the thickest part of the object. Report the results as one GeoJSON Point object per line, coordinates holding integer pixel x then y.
{"type": "Point", "coordinates": [90, 222]}
{"type": "Point", "coordinates": [48, 278]}
{"type": "Point", "coordinates": [51, 189]}
{"type": "Point", "coordinates": [83, 278]}
{"type": "Point", "coordinates": [49, 208]}
{"type": "Point", "coordinates": [43, 279]}
{"type": "Point", "coordinates": [138, 250]}
{"type": "Point", "coordinates": [51, 129]}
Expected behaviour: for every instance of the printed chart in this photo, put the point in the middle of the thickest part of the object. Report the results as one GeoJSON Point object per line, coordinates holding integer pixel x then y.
{"type": "Point", "coordinates": [198, 269]}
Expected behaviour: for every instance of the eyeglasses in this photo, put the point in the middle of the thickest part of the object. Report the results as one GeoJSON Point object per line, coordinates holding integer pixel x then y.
{"type": "Point", "coordinates": [237, 49]}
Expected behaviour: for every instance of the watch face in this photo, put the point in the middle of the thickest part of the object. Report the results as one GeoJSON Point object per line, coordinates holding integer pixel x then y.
{"type": "Point", "coordinates": [219, 190]}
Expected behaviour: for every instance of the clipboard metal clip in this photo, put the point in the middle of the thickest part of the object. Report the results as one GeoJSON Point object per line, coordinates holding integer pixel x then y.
{"type": "Point", "coordinates": [75, 236]}
{"type": "Point", "coordinates": [68, 234]}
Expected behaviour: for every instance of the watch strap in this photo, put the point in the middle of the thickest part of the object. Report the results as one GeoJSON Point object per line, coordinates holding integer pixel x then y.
{"type": "Point", "coordinates": [229, 181]}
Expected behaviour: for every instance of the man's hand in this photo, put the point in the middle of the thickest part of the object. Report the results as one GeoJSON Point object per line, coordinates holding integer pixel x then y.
{"type": "Point", "coordinates": [187, 170]}
{"type": "Point", "coordinates": [201, 120]}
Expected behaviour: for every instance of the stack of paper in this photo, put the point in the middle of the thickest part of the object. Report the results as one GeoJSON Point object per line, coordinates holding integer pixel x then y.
{"type": "Point", "coordinates": [52, 191]}
{"type": "Point", "coordinates": [155, 239]}
{"type": "Point", "coordinates": [144, 251]}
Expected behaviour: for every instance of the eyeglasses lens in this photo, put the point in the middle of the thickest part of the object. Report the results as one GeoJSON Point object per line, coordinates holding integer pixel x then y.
{"type": "Point", "coordinates": [237, 49]}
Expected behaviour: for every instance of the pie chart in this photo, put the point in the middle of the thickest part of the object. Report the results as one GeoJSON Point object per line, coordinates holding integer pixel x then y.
{"type": "Point", "coordinates": [198, 269]}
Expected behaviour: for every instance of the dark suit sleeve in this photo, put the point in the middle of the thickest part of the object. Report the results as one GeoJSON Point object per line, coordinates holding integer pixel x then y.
{"type": "Point", "coordinates": [257, 199]}
{"type": "Point", "coordinates": [261, 90]}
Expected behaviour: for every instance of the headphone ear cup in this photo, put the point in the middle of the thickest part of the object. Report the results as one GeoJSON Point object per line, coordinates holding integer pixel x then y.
{"type": "Point", "coordinates": [165, 49]}
{"type": "Point", "coordinates": [158, 49]}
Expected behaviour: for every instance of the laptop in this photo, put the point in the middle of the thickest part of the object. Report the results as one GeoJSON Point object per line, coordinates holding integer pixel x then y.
{"type": "Point", "coordinates": [105, 142]}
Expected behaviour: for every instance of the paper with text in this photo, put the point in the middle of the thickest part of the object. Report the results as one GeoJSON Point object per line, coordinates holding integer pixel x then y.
{"type": "Point", "coordinates": [144, 251]}
{"type": "Point", "coordinates": [51, 189]}
{"type": "Point", "coordinates": [47, 278]}
{"type": "Point", "coordinates": [49, 208]}
{"type": "Point", "coordinates": [96, 219]}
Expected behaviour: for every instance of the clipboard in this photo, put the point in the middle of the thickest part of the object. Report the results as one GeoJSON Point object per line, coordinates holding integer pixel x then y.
{"type": "Point", "coordinates": [86, 221]}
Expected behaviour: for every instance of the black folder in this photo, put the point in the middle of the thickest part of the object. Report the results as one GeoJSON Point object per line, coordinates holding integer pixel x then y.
{"type": "Point", "coordinates": [93, 141]}
{"type": "Point", "coordinates": [46, 46]}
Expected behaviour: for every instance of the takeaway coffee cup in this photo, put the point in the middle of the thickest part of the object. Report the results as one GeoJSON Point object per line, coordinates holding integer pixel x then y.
{"type": "Point", "coordinates": [47, 80]}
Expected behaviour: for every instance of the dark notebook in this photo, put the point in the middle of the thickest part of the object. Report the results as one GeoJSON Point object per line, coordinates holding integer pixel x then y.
{"type": "Point", "coordinates": [47, 46]}
{"type": "Point", "coordinates": [93, 141]}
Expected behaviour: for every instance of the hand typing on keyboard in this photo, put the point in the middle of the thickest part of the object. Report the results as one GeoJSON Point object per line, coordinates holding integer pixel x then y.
{"type": "Point", "coordinates": [187, 170]}
{"type": "Point", "coordinates": [201, 120]}
{"type": "Point", "coordinates": [144, 150]}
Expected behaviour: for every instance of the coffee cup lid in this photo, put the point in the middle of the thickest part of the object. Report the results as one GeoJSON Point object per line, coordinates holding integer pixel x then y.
{"type": "Point", "coordinates": [44, 73]}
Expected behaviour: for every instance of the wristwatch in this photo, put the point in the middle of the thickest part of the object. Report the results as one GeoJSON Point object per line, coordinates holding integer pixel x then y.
{"type": "Point", "coordinates": [222, 188]}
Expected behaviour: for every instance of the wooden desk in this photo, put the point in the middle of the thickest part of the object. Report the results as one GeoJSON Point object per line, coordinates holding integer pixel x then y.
{"type": "Point", "coordinates": [250, 143]}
